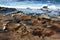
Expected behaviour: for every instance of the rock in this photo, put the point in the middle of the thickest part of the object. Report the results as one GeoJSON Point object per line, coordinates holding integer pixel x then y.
{"type": "Point", "coordinates": [44, 16]}
{"type": "Point", "coordinates": [45, 7]}
{"type": "Point", "coordinates": [16, 20]}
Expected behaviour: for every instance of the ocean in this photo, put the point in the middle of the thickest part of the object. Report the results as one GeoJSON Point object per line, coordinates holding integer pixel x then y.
{"type": "Point", "coordinates": [33, 6]}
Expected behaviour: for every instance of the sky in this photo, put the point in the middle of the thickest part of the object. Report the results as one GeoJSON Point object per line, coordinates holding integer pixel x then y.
{"type": "Point", "coordinates": [29, 3]}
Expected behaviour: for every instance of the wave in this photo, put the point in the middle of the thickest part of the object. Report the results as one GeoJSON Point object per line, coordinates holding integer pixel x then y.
{"type": "Point", "coordinates": [31, 6]}
{"type": "Point", "coordinates": [53, 9]}
{"type": "Point", "coordinates": [25, 4]}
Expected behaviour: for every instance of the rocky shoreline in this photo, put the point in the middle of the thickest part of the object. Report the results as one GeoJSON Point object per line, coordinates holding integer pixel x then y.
{"type": "Point", "coordinates": [18, 26]}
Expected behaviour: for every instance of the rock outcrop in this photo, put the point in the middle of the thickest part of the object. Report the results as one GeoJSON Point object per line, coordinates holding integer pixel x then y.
{"type": "Point", "coordinates": [20, 25]}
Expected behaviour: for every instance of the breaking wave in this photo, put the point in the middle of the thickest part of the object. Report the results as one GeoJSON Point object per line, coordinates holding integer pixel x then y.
{"type": "Point", "coordinates": [32, 7]}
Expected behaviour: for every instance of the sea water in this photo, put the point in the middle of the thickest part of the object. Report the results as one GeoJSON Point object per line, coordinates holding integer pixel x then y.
{"type": "Point", "coordinates": [32, 6]}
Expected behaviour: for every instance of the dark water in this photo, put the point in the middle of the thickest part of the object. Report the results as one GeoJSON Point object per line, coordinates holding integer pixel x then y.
{"type": "Point", "coordinates": [36, 1]}
{"type": "Point", "coordinates": [7, 10]}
